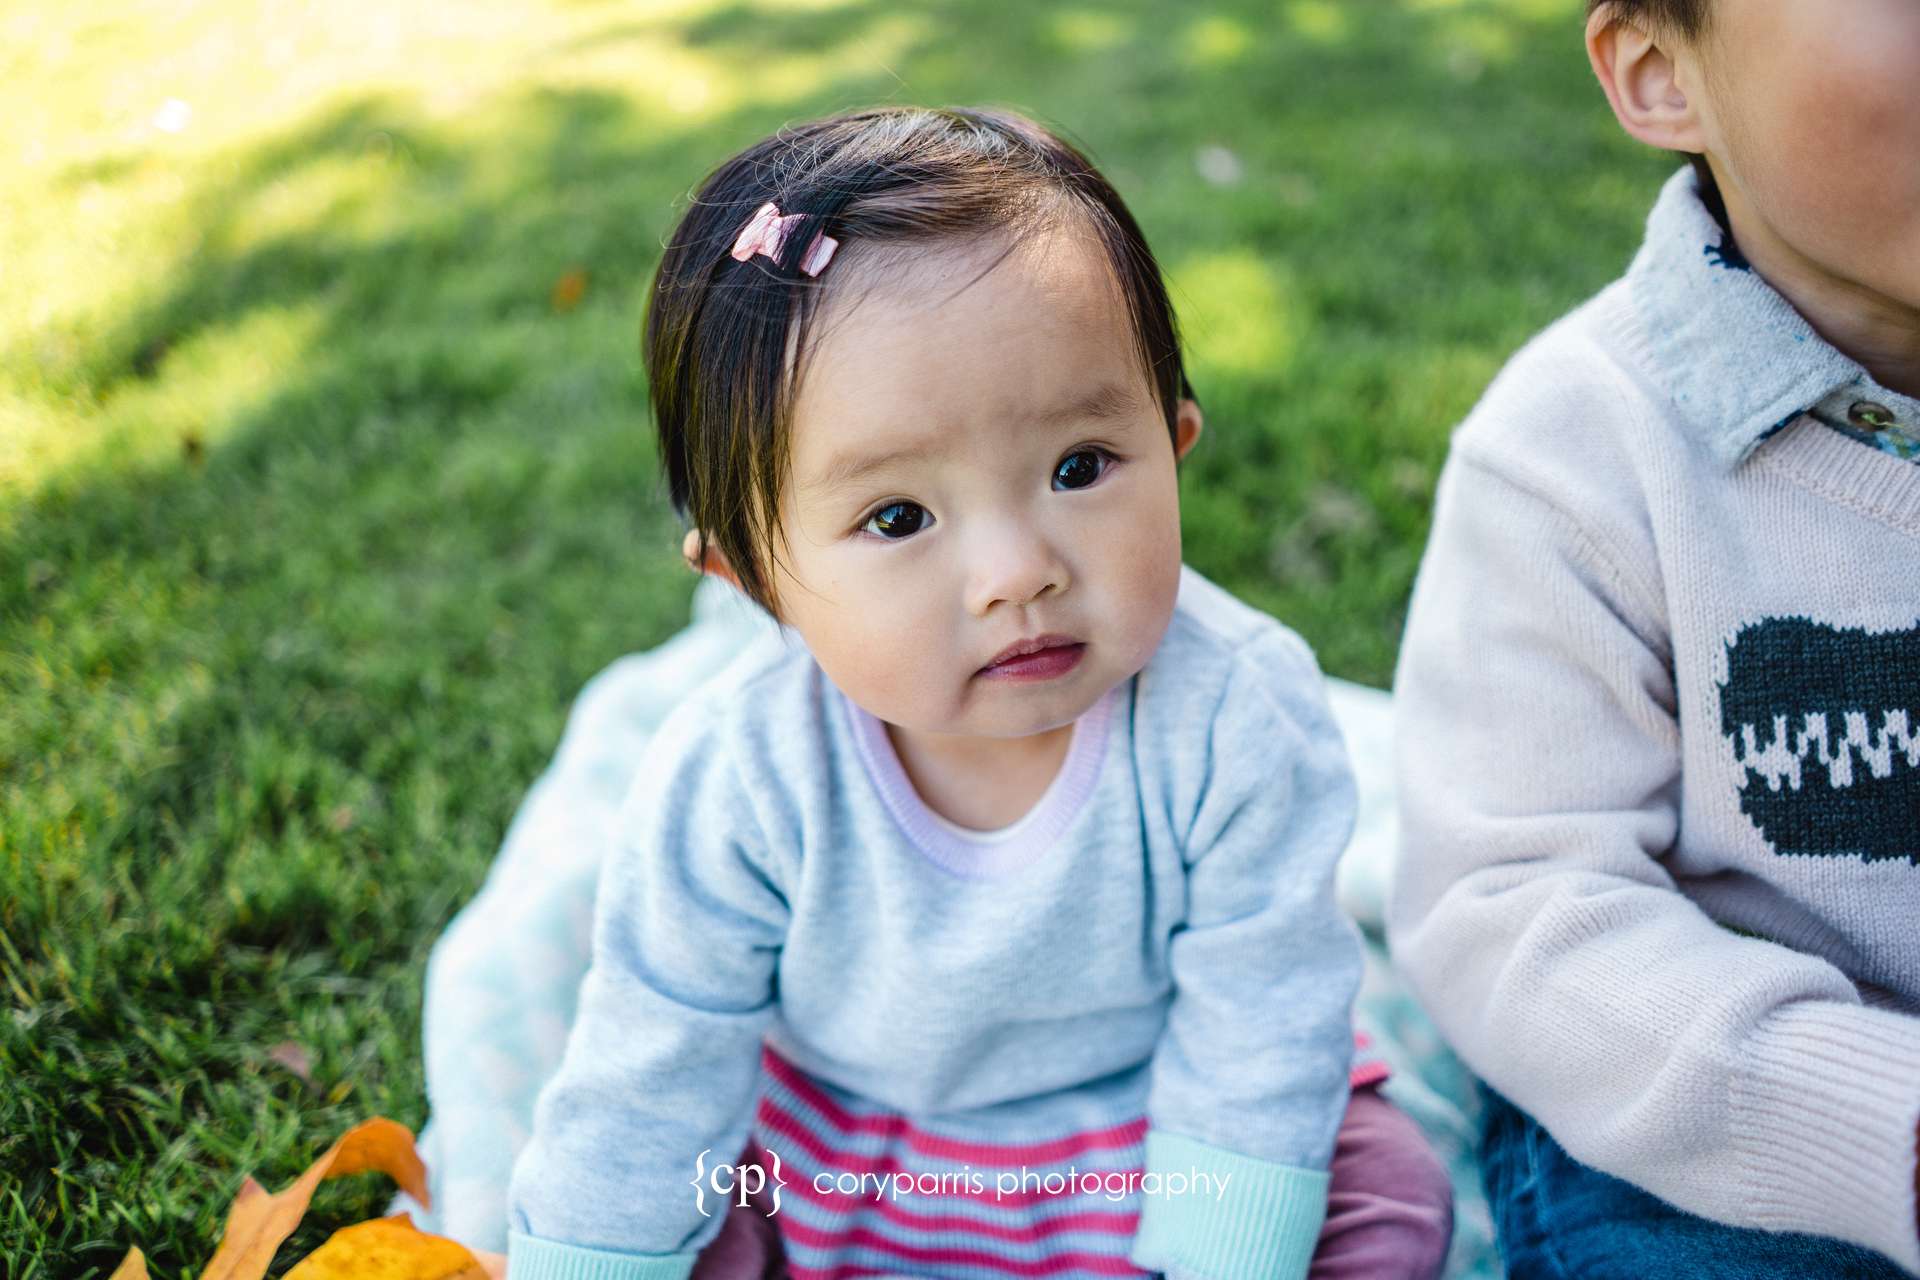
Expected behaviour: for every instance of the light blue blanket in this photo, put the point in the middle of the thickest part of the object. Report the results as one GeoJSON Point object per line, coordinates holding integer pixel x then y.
{"type": "Point", "coordinates": [502, 980]}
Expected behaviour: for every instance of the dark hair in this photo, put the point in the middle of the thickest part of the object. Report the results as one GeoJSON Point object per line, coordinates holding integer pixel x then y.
{"type": "Point", "coordinates": [725, 340]}
{"type": "Point", "coordinates": [1688, 17]}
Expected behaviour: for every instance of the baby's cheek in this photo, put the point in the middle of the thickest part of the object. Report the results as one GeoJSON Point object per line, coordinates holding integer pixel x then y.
{"type": "Point", "coordinates": [1141, 572]}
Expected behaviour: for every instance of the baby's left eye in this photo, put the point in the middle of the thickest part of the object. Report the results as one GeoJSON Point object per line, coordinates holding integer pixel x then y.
{"type": "Point", "coordinates": [1079, 469]}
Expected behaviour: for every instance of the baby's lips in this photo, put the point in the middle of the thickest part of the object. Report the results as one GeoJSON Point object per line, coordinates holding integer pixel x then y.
{"type": "Point", "coordinates": [1032, 644]}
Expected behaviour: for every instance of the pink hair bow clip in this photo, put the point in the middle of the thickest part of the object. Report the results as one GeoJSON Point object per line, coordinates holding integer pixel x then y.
{"type": "Point", "coordinates": [767, 231]}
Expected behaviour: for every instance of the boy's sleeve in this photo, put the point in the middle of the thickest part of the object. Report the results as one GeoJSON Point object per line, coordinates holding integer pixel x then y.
{"type": "Point", "coordinates": [1249, 1080]}
{"type": "Point", "coordinates": [662, 1066]}
{"type": "Point", "coordinates": [1539, 781]}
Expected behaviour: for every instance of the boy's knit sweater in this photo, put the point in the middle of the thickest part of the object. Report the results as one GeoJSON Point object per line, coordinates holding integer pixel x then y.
{"type": "Point", "coordinates": [1154, 954]}
{"type": "Point", "coordinates": [1659, 727]}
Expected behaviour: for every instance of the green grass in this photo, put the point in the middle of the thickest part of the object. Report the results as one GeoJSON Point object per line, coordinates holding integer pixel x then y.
{"type": "Point", "coordinates": [315, 514]}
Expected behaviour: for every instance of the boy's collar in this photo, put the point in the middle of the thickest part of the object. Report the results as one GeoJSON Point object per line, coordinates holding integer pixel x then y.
{"type": "Point", "coordinates": [1739, 362]}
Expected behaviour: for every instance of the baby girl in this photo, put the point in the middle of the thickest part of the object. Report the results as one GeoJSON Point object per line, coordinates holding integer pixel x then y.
{"type": "Point", "coordinates": [980, 921]}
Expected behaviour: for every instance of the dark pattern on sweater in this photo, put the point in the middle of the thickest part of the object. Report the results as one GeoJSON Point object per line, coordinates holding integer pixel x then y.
{"type": "Point", "coordinates": [1825, 723]}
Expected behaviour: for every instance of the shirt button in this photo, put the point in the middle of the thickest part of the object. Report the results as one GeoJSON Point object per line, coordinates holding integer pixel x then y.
{"type": "Point", "coordinates": [1868, 416]}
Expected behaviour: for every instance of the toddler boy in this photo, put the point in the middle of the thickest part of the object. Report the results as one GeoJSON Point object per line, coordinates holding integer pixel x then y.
{"type": "Point", "coordinates": [1659, 696]}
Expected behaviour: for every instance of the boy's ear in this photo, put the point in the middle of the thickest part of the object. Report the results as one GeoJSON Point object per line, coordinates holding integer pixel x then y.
{"type": "Point", "coordinates": [1186, 428]}
{"type": "Point", "coordinates": [1647, 76]}
{"type": "Point", "coordinates": [715, 561]}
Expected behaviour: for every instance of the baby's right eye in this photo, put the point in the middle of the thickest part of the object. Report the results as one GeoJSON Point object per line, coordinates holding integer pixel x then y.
{"type": "Point", "coordinates": [898, 520]}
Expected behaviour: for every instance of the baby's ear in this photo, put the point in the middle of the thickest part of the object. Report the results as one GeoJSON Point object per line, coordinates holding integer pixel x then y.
{"type": "Point", "coordinates": [710, 559]}
{"type": "Point", "coordinates": [1186, 428]}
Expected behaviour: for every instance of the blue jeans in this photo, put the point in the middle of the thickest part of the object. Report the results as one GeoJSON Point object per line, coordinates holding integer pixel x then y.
{"type": "Point", "coordinates": [1557, 1219]}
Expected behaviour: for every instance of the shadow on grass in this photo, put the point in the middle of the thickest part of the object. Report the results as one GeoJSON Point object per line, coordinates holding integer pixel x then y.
{"type": "Point", "coordinates": [276, 686]}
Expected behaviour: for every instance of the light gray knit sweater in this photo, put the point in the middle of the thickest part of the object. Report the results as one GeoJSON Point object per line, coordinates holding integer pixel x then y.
{"type": "Point", "coordinates": [1659, 716]}
{"type": "Point", "coordinates": [1159, 938]}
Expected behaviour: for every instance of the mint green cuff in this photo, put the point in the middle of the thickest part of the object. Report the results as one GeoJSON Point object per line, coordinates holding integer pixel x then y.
{"type": "Point", "coordinates": [1252, 1220]}
{"type": "Point", "coordinates": [531, 1258]}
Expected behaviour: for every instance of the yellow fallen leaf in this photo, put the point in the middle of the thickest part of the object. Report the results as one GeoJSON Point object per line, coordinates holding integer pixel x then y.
{"type": "Point", "coordinates": [387, 1249]}
{"type": "Point", "coordinates": [132, 1267]}
{"type": "Point", "coordinates": [379, 1145]}
{"type": "Point", "coordinates": [259, 1223]}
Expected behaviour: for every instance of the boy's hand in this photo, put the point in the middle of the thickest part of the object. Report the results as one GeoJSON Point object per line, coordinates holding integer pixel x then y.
{"type": "Point", "coordinates": [494, 1264]}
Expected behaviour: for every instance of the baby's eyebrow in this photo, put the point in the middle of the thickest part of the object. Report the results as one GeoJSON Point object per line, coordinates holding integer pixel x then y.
{"type": "Point", "coordinates": [1108, 402]}
{"type": "Point", "coordinates": [1105, 403]}
{"type": "Point", "coordinates": [851, 467]}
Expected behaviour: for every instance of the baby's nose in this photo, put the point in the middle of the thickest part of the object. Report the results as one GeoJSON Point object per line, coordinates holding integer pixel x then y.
{"type": "Point", "coordinates": [1014, 568]}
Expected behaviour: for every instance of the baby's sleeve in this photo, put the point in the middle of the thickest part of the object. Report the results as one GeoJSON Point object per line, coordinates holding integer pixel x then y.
{"type": "Point", "coordinates": [662, 1065]}
{"type": "Point", "coordinates": [1249, 1080]}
